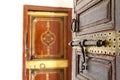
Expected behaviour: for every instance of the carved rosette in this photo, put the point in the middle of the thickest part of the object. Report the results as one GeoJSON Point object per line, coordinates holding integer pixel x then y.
{"type": "Point", "coordinates": [48, 38]}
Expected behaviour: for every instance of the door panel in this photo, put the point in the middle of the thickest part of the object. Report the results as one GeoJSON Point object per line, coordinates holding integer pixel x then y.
{"type": "Point", "coordinates": [101, 11]}
{"type": "Point", "coordinates": [81, 5]}
{"type": "Point", "coordinates": [99, 68]}
{"type": "Point", "coordinates": [94, 15]}
{"type": "Point", "coordinates": [48, 37]}
{"type": "Point", "coordinates": [96, 47]}
{"type": "Point", "coordinates": [48, 75]}
{"type": "Point", "coordinates": [46, 55]}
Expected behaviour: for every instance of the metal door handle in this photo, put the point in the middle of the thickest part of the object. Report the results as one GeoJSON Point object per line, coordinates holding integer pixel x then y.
{"type": "Point", "coordinates": [82, 44]}
{"type": "Point", "coordinates": [97, 43]}
{"type": "Point", "coordinates": [86, 43]}
{"type": "Point", "coordinates": [74, 25]}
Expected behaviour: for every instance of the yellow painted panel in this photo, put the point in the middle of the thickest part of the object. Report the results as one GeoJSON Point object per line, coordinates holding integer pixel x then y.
{"type": "Point", "coordinates": [47, 14]}
{"type": "Point", "coordinates": [46, 64]}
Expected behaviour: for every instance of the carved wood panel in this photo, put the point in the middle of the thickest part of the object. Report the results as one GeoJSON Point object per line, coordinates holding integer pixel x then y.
{"type": "Point", "coordinates": [48, 37]}
{"type": "Point", "coordinates": [94, 15]}
{"type": "Point", "coordinates": [99, 67]}
{"type": "Point", "coordinates": [82, 5]}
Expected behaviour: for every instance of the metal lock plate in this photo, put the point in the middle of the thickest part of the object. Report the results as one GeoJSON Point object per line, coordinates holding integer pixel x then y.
{"type": "Point", "coordinates": [112, 46]}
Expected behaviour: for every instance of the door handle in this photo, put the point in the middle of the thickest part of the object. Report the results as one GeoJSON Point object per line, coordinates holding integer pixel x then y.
{"type": "Point", "coordinates": [82, 44]}
{"type": "Point", "coordinates": [97, 43]}
{"type": "Point", "coordinates": [86, 43]}
{"type": "Point", "coordinates": [74, 25]}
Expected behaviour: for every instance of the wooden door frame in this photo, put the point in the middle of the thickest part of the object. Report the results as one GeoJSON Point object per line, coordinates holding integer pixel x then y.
{"type": "Point", "coordinates": [69, 35]}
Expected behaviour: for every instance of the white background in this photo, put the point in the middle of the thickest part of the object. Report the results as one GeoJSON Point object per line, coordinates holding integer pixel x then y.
{"type": "Point", "coordinates": [11, 26]}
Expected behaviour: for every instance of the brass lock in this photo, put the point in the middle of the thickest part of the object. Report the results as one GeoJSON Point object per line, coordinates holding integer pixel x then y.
{"type": "Point", "coordinates": [96, 43]}
{"type": "Point", "coordinates": [82, 44]}
{"type": "Point", "coordinates": [110, 41]}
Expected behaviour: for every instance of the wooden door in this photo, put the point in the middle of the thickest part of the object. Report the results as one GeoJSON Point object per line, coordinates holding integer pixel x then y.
{"type": "Point", "coordinates": [46, 55]}
{"type": "Point", "coordinates": [96, 40]}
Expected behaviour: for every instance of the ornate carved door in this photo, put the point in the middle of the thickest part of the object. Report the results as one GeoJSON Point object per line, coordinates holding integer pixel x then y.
{"type": "Point", "coordinates": [96, 40]}
{"type": "Point", "coordinates": [46, 55]}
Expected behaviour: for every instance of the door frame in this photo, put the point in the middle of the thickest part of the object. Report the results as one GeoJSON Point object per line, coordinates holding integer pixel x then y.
{"type": "Point", "coordinates": [69, 35]}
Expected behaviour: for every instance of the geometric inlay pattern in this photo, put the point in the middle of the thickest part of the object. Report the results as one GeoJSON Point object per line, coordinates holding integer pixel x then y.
{"type": "Point", "coordinates": [48, 37]}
